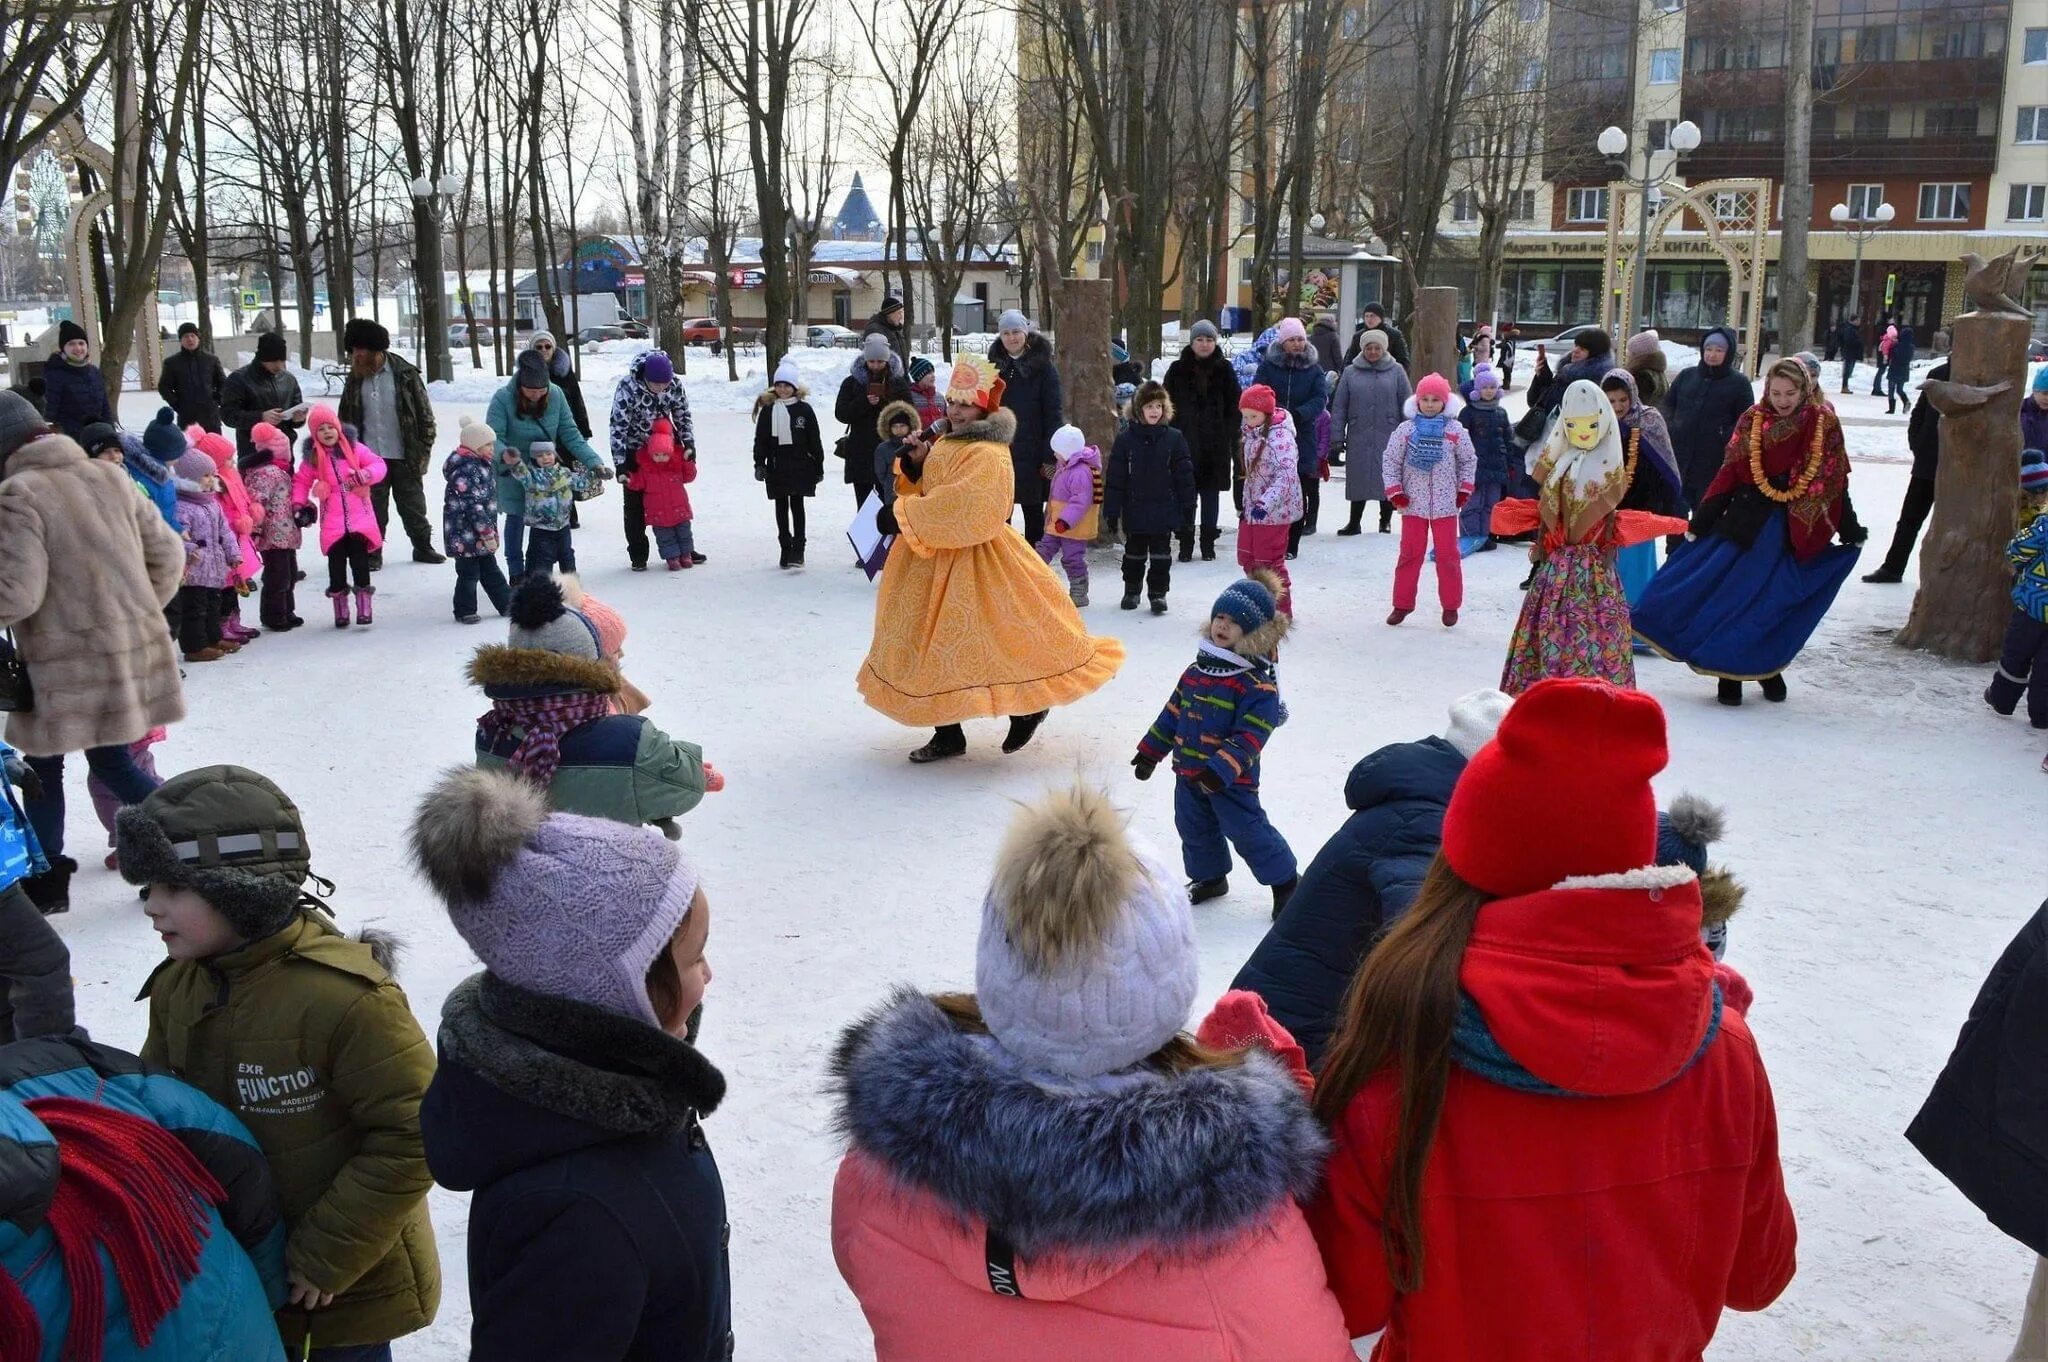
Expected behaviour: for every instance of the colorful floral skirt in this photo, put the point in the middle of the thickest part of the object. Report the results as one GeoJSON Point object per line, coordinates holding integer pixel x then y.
{"type": "Point", "coordinates": [1574, 623]}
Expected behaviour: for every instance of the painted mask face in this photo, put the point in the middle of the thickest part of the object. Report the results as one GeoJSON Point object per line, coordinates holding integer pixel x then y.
{"type": "Point", "coordinates": [1582, 432]}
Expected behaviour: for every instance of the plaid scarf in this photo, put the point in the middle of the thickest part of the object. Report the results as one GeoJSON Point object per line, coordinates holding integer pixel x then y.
{"type": "Point", "coordinates": [540, 721]}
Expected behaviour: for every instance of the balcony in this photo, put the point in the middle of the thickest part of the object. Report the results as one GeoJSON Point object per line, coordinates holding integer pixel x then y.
{"type": "Point", "coordinates": [1849, 157]}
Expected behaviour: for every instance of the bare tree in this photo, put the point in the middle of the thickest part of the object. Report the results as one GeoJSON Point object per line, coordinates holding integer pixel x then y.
{"type": "Point", "coordinates": [1500, 146]}
{"type": "Point", "coordinates": [660, 114]}
{"type": "Point", "coordinates": [955, 203]}
{"type": "Point", "coordinates": [52, 55]}
{"type": "Point", "coordinates": [814, 164]}
{"type": "Point", "coordinates": [1059, 183]}
{"type": "Point", "coordinates": [414, 43]}
{"type": "Point", "coordinates": [716, 209]}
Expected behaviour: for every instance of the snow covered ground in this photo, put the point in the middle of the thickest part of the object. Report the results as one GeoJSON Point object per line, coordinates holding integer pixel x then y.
{"type": "Point", "coordinates": [1886, 823]}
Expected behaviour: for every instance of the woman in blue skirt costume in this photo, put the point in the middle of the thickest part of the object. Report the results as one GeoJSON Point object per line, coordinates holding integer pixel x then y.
{"type": "Point", "coordinates": [1654, 483]}
{"type": "Point", "coordinates": [1739, 599]}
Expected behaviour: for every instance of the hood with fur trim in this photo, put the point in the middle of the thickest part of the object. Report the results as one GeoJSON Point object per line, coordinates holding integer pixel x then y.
{"type": "Point", "coordinates": [768, 395]}
{"type": "Point", "coordinates": [1453, 405]}
{"type": "Point", "coordinates": [998, 427]}
{"type": "Point", "coordinates": [504, 672]}
{"type": "Point", "coordinates": [891, 411]}
{"type": "Point", "coordinates": [1145, 1162]}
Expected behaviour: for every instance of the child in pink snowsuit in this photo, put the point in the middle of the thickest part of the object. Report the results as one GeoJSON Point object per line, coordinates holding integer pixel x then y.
{"type": "Point", "coordinates": [1428, 469]}
{"type": "Point", "coordinates": [1074, 508]}
{"type": "Point", "coordinates": [338, 472]}
{"type": "Point", "coordinates": [242, 517]}
{"type": "Point", "coordinates": [1272, 487]}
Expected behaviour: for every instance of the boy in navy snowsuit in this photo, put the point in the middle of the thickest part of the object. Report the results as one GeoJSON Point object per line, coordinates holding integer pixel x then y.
{"type": "Point", "coordinates": [1214, 729]}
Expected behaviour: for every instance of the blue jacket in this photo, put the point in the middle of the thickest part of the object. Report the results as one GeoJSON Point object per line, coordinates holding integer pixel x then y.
{"type": "Point", "coordinates": [1218, 718]}
{"type": "Point", "coordinates": [597, 1230]}
{"type": "Point", "coordinates": [158, 481]}
{"type": "Point", "coordinates": [517, 431]}
{"type": "Point", "coordinates": [2029, 554]}
{"type": "Point", "coordinates": [1493, 440]}
{"type": "Point", "coordinates": [75, 396]}
{"type": "Point", "coordinates": [1150, 483]}
{"type": "Point", "coordinates": [224, 1311]}
{"type": "Point", "coordinates": [20, 854]}
{"type": "Point", "coordinates": [1300, 386]}
{"type": "Point", "coordinates": [1362, 880]}
{"type": "Point", "coordinates": [469, 507]}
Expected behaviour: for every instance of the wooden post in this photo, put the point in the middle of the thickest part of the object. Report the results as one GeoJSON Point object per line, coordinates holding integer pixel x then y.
{"type": "Point", "coordinates": [1081, 332]}
{"type": "Point", "coordinates": [1433, 349]}
{"type": "Point", "coordinates": [1965, 581]}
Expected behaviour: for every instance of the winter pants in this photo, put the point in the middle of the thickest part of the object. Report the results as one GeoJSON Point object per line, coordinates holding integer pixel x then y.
{"type": "Point", "coordinates": [113, 764]}
{"type": "Point", "coordinates": [1263, 545]}
{"type": "Point", "coordinates": [1417, 535]}
{"type": "Point", "coordinates": [636, 529]}
{"type": "Point", "coordinates": [481, 570]}
{"type": "Point", "coordinates": [863, 480]}
{"type": "Point", "coordinates": [197, 612]}
{"type": "Point", "coordinates": [402, 484]}
{"type": "Point", "coordinates": [1211, 503]}
{"type": "Point", "coordinates": [2022, 667]}
{"type": "Point", "coordinates": [1204, 821]}
{"type": "Point", "coordinates": [280, 573]}
{"type": "Point", "coordinates": [1848, 371]}
{"type": "Point", "coordinates": [105, 803]}
{"type": "Point", "coordinates": [1912, 515]}
{"type": "Point", "coordinates": [1034, 521]}
{"type": "Point", "coordinates": [35, 972]}
{"type": "Point", "coordinates": [548, 549]}
{"type": "Point", "coordinates": [789, 519]}
{"type": "Point", "coordinates": [675, 541]}
{"type": "Point", "coordinates": [1148, 561]}
{"type": "Point", "coordinates": [350, 557]}
{"type": "Point", "coordinates": [1895, 391]}
{"type": "Point", "coordinates": [513, 537]}
{"type": "Point", "coordinates": [1073, 556]}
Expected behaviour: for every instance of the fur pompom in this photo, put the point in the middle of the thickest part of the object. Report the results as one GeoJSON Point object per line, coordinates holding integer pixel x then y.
{"type": "Point", "coordinates": [1065, 868]}
{"type": "Point", "coordinates": [572, 589]}
{"type": "Point", "coordinates": [1721, 895]}
{"type": "Point", "coordinates": [538, 602]}
{"type": "Point", "coordinates": [470, 826]}
{"type": "Point", "coordinates": [1697, 821]}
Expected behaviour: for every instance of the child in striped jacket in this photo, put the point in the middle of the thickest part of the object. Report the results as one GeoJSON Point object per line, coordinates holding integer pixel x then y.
{"type": "Point", "coordinates": [1213, 733]}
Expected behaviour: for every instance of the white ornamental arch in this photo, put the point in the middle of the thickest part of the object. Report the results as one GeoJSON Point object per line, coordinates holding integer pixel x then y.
{"type": "Point", "coordinates": [1736, 214]}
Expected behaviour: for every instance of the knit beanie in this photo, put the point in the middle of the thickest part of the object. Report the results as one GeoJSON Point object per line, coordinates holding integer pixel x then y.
{"type": "Point", "coordinates": [540, 447]}
{"type": "Point", "coordinates": [2040, 384]}
{"type": "Point", "coordinates": [1204, 328]}
{"type": "Point", "coordinates": [194, 466]}
{"type": "Point", "coordinates": [364, 334]}
{"type": "Point", "coordinates": [1642, 345]}
{"type": "Point", "coordinates": [531, 371]}
{"type": "Point", "coordinates": [786, 372]}
{"type": "Point", "coordinates": [1434, 385]}
{"type": "Point", "coordinates": [874, 349]}
{"type": "Point", "coordinates": [563, 905]}
{"type": "Point", "coordinates": [477, 434]}
{"type": "Point", "coordinates": [227, 834]}
{"type": "Point", "coordinates": [608, 624]}
{"type": "Point", "coordinates": [920, 369]}
{"type": "Point", "coordinates": [187, 329]}
{"type": "Point", "coordinates": [1722, 337]}
{"type": "Point", "coordinates": [97, 436]}
{"type": "Point", "coordinates": [542, 619]}
{"type": "Point", "coordinates": [69, 331]}
{"type": "Point", "coordinates": [20, 422]}
{"type": "Point", "coordinates": [1375, 336]}
{"type": "Point", "coordinates": [1475, 718]}
{"type": "Point", "coordinates": [1811, 361]}
{"type": "Point", "coordinates": [1373, 310]}
{"type": "Point", "coordinates": [1569, 771]}
{"type": "Point", "coordinates": [162, 437]}
{"type": "Point", "coordinates": [1068, 441]}
{"type": "Point", "coordinates": [1686, 830]}
{"type": "Point", "coordinates": [1250, 603]}
{"type": "Point", "coordinates": [270, 346]}
{"type": "Point", "coordinates": [213, 445]}
{"type": "Point", "coordinates": [1483, 376]}
{"type": "Point", "coordinates": [1086, 963]}
{"type": "Point", "coordinates": [891, 304]}
{"type": "Point", "coordinates": [1258, 398]}
{"type": "Point", "coordinates": [1290, 328]}
{"type": "Point", "coordinates": [533, 341]}
{"type": "Point", "coordinates": [272, 441]}
{"type": "Point", "coordinates": [2033, 470]}
{"type": "Point", "coordinates": [657, 368]}
{"type": "Point", "coordinates": [1013, 320]}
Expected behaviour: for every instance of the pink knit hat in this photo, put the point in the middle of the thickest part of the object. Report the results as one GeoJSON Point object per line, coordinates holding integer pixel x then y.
{"type": "Point", "coordinates": [605, 622]}
{"type": "Point", "coordinates": [1290, 328]}
{"type": "Point", "coordinates": [1433, 385]}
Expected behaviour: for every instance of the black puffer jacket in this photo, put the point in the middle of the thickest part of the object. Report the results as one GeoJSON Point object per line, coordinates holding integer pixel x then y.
{"type": "Point", "coordinates": [1702, 408]}
{"type": "Point", "coordinates": [1031, 390]}
{"type": "Point", "coordinates": [1149, 485]}
{"type": "Point", "coordinates": [191, 382]}
{"type": "Point", "coordinates": [249, 392]}
{"type": "Point", "coordinates": [858, 415]}
{"type": "Point", "coordinates": [1205, 393]}
{"type": "Point", "coordinates": [1923, 427]}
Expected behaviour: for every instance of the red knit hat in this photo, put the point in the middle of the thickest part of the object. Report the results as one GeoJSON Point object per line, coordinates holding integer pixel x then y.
{"type": "Point", "coordinates": [1563, 790]}
{"type": "Point", "coordinates": [1258, 398]}
{"type": "Point", "coordinates": [1434, 385]}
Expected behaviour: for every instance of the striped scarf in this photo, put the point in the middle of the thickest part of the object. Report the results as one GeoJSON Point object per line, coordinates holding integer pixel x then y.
{"type": "Point", "coordinates": [540, 721]}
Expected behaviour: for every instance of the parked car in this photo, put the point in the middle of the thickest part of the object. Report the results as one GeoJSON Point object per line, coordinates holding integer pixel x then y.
{"type": "Point", "coordinates": [592, 335]}
{"type": "Point", "coordinates": [702, 331]}
{"type": "Point", "coordinates": [2037, 349]}
{"type": "Point", "coordinates": [634, 330]}
{"type": "Point", "coordinates": [458, 334]}
{"type": "Point", "coordinates": [830, 337]}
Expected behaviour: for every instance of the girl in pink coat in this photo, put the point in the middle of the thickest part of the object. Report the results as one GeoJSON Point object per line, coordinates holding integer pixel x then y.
{"type": "Point", "coordinates": [235, 505]}
{"type": "Point", "coordinates": [1048, 1168]}
{"type": "Point", "coordinates": [267, 474]}
{"type": "Point", "coordinates": [337, 473]}
{"type": "Point", "coordinates": [1272, 487]}
{"type": "Point", "coordinates": [1428, 469]}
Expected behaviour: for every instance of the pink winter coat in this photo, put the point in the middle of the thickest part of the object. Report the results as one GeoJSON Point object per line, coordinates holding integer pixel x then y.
{"type": "Point", "coordinates": [1272, 479]}
{"type": "Point", "coordinates": [234, 498]}
{"type": "Point", "coordinates": [1432, 494]}
{"type": "Point", "coordinates": [339, 482]}
{"type": "Point", "coordinates": [1111, 1247]}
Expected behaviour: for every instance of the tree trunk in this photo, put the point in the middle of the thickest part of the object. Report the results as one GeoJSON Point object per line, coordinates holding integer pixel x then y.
{"type": "Point", "coordinates": [1965, 580]}
{"type": "Point", "coordinates": [1082, 325]}
{"type": "Point", "coordinates": [1435, 336]}
{"type": "Point", "coordinates": [1795, 322]}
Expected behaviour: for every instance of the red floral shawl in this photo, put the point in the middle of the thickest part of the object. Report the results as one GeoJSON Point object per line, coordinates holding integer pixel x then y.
{"type": "Point", "coordinates": [1815, 513]}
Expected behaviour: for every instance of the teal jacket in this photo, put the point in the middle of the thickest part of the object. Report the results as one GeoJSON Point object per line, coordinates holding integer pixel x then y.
{"type": "Point", "coordinates": [517, 431]}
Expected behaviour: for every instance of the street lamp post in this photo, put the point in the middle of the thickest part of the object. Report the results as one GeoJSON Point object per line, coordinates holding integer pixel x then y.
{"type": "Point", "coordinates": [430, 197]}
{"type": "Point", "coordinates": [1613, 144]}
{"type": "Point", "coordinates": [1860, 230]}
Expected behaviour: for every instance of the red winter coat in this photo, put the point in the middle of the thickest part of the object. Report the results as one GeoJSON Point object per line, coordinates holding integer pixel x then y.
{"type": "Point", "coordinates": [660, 475]}
{"type": "Point", "coordinates": [1614, 1223]}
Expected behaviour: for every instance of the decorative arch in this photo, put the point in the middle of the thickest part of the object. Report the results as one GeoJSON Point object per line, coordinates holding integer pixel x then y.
{"type": "Point", "coordinates": [1737, 237]}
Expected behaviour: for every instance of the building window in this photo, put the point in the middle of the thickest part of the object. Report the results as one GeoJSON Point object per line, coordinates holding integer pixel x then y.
{"type": "Point", "coordinates": [1667, 6]}
{"type": "Point", "coordinates": [1756, 124]}
{"type": "Point", "coordinates": [1729, 207]}
{"type": "Point", "coordinates": [1951, 120]}
{"type": "Point", "coordinates": [1247, 211]}
{"type": "Point", "coordinates": [1353, 23]}
{"type": "Point", "coordinates": [1532, 75]}
{"type": "Point", "coordinates": [1464, 206]}
{"type": "Point", "coordinates": [1873, 121]}
{"type": "Point", "coordinates": [1585, 205]}
{"type": "Point", "coordinates": [1944, 202]}
{"type": "Point", "coordinates": [1659, 130]}
{"type": "Point", "coordinates": [2033, 124]}
{"type": "Point", "coordinates": [2035, 51]}
{"type": "Point", "coordinates": [2027, 203]}
{"type": "Point", "coordinates": [1529, 11]}
{"type": "Point", "coordinates": [1759, 51]}
{"type": "Point", "coordinates": [1522, 205]}
{"type": "Point", "coordinates": [1093, 253]}
{"type": "Point", "coordinates": [1664, 64]}
{"type": "Point", "coordinates": [1863, 200]}
{"type": "Point", "coordinates": [1246, 269]}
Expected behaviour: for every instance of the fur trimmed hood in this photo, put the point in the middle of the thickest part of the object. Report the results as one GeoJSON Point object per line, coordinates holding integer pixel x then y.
{"type": "Point", "coordinates": [1143, 1162]}
{"type": "Point", "coordinates": [998, 427]}
{"type": "Point", "coordinates": [892, 410]}
{"type": "Point", "coordinates": [767, 396]}
{"type": "Point", "coordinates": [499, 668]}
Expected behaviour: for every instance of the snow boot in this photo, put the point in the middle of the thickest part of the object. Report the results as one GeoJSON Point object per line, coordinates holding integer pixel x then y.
{"type": "Point", "coordinates": [1022, 727]}
{"type": "Point", "coordinates": [206, 655]}
{"type": "Point", "coordinates": [1201, 891]}
{"type": "Point", "coordinates": [1078, 593]}
{"type": "Point", "coordinates": [1209, 538]}
{"type": "Point", "coordinates": [796, 545]}
{"type": "Point", "coordinates": [340, 599]}
{"type": "Point", "coordinates": [1187, 548]}
{"type": "Point", "coordinates": [1282, 893]}
{"type": "Point", "coordinates": [1450, 619]}
{"type": "Point", "coordinates": [1773, 688]}
{"type": "Point", "coordinates": [1159, 605]}
{"type": "Point", "coordinates": [699, 560]}
{"type": "Point", "coordinates": [1396, 615]}
{"type": "Point", "coordinates": [363, 595]}
{"type": "Point", "coordinates": [50, 891]}
{"type": "Point", "coordinates": [425, 552]}
{"type": "Point", "coordinates": [784, 561]}
{"type": "Point", "coordinates": [469, 619]}
{"type": "Point", "coordinates": [948, 741]}
{"type": "Point", "coordinates": [676, 564]}
{"type": "Point", "coordinates": [1729, 693]}
{"type": "Point", "coordinates": [1130, 601]}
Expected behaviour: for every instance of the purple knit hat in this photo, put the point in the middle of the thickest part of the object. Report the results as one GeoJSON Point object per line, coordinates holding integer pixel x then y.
{"type": "Point", "coordinates": [564, 905]}
{"type": "Point", "coordinates": [1483, 376]}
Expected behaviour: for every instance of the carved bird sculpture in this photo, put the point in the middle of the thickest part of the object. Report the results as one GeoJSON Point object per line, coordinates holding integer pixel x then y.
{"type": "Point", "coordinates": [1996, 285]}
{"type": "Point", "coordinates": [1955, 399]}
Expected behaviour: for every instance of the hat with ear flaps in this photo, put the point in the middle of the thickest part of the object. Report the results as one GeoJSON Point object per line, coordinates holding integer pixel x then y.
{"type": "Point", "coordinates": [1086, 963]}
{"type": "Point", "coordinates": [227, 834]}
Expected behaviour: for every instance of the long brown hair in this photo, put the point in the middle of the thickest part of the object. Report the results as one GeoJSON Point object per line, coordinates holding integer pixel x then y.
{"type": "Point", "coordinates": [1401, 1011]}
{"type": "Point", "coordinates": [1182, 1054]}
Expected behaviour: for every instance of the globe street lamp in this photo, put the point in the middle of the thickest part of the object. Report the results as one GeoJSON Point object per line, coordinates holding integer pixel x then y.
{"type": "Point", "coordinates": [1613, 144]}
{"type": "Point", "coordinates": [430, 197]}
{"type": "Point", "coordinates": [1860, 230]}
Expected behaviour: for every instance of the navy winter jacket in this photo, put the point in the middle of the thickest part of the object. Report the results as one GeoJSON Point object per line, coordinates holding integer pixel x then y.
{"type": "Point", "coordinates": [1031, 393]}
{"type": "Point", "coordinates": [597, 1230]}
{"type": "Point", "coordinates": [1362, 880]}
{"type": "Point", "coordinates": [1301, 386]}
{"type": "Point", "coordinates": [1985, 1125]}
{"type": "Point", "coordinates": [75, 396]}
{"type": "Point", "coordinates": [1493, 440]}
{"type": "Point", "coordinates": [1149, 486]}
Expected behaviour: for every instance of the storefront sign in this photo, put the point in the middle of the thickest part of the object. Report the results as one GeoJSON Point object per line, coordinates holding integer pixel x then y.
{"type": "Point", "coordinates": [1597, 246]}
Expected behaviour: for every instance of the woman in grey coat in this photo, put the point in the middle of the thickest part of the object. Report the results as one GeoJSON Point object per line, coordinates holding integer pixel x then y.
{"type": "Point", "coordinates": [1364, 414]}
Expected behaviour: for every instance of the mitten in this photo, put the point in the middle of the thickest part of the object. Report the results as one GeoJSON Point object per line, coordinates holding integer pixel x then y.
{"type": "Point", "coordinates": [1144, 766]}
{"type": "Point", "coordinates": [304, 516]}
{"type": "Point", "coordinates": [1060, 527]}
{"type": "Point", "coordinates": [1400, 501]}
{"type": "Point", "coordinates": [1323, 469]}
{"type": "Point", "coordinates": [1256, 512]}
{"type": "Point", "coordinates": [714, 781]}
{"type": "Point", "coordinates": [604, 474]}
{"type": "Point", "coordinates": [22, 774]}
{"type": "Point", "coordinates": [1209, 783]}
{"type": "Point", "coordinates": [1463, 497]}
{"type": "Point", "coordinates": [885, 521]}
{"type": "Point", "coordinates": [1241, 1021]}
